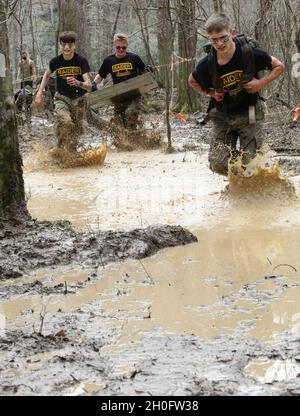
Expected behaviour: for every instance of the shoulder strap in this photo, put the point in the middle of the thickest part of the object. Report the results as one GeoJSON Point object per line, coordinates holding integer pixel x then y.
{"type": "Point", "coordinates": [213, 68]}
{"type": "Point", "coordinates": [248, 57]}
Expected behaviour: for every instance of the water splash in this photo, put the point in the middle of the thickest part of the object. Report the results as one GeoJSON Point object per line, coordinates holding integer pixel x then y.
{"type": "Point", "coordinates": [260, 179]}
{"type": "Point", "coordinates": [67, 159]}
{"type": "Point", "coordinates": [126, 139]}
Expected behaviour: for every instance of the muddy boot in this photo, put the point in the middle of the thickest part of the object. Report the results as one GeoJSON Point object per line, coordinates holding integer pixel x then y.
{"type": "Point", "coordinates": [72, 142]}
{"type": "Point", "coordinates": [218, 157]}
{"type": "Point", "coordinates": [132, 113]}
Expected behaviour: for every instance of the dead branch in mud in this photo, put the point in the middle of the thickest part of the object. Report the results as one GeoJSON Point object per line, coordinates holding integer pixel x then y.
{"type": "Point", "coordinates": [147, 274]}
{"type": "Point", "coordinates": [42, 317]}
{"type": "Point", "coordinates": [284, 264]}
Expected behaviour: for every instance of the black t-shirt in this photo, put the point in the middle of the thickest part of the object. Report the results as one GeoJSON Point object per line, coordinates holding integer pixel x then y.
{"type": "Point", "coordinates": [75, 67]}
{"type": "Point", "coordinates": [237, 100]}
{"type": "Point", "coordinates": [122, 69]}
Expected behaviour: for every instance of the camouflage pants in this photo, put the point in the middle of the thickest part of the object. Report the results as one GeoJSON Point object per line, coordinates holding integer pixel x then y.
{"type": "Point", "coordinates": [227, 129]}
{"type": "Point", "coordinates": [69, 115]}
{"type": "Point", "coordinates": [127, 112]}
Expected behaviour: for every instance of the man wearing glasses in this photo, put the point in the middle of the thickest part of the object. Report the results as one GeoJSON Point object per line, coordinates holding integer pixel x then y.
{"type": "Point", "coordinates": [235, 109]}
{"type": "Point", "coordinates": [123, 65]}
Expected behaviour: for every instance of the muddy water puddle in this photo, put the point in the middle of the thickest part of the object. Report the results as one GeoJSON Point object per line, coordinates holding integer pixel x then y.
{"type": "Point", "coordinates": [242, 275]}
{"type": "Point", "coordinates": [233, 277]}
{"type": "Point", "coordinates": [130, 190]}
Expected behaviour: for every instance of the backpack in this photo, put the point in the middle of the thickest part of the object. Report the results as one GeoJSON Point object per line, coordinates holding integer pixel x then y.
{"type": "Point", "coordinates": [247, 45]}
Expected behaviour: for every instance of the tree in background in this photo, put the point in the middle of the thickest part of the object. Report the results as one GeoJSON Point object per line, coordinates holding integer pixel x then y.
{"type": "Point", "coordinates": [12, 195]}
{"type": "Point", "coordinates": [165, 40]}
{"type": "Point", "coordinates": [187, 41]}
{"type": "Point", "coordinates": [166, 43]}
{"type": "Point", "coordinates": [263, 22]}
{"type": "Point", "coordinates": [72, 16]}
{"type": "Point", "coordinates": [142, 16]}
{"type": "Point", "coordinates": [275, 23]}
{"type": "Point", "coordinates": [218, 6]}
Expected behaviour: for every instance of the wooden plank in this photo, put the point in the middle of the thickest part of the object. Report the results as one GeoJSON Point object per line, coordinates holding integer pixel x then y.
{"type": "Point", "coordinates": [139, 84]}
{"type": "Point", "coordinates": [110, 95]}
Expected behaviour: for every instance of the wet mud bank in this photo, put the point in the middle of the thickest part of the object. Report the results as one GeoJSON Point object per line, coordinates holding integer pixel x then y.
{"type": "Point", "coordinates": [45, 244]}
{"type": "Point", "coordinates": [74, 362]}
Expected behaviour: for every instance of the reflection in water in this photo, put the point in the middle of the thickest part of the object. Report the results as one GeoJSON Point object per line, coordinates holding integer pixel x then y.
{"type": "Point", "coordinates": [208, 288]}
{"type": "Point", "coordinates": [130, 190]}
{"type": "Point", "coordinates": [196, 288]}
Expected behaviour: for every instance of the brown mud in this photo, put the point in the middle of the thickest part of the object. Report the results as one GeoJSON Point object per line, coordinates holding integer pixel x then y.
{"type": "Point", "coordinates": [66, 159]}
{"type": "Point", "coordinates": [128, 139]}
{"type": "Point", "coordinates": [87, 313]}
{"type": "Point", "coordinates": [45, 244]}
{"type": "Point", "coordinates": [261, 178]}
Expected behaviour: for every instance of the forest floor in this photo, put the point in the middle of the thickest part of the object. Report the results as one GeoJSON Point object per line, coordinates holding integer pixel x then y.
{"type": "Point", "coordinates": [84, 310]}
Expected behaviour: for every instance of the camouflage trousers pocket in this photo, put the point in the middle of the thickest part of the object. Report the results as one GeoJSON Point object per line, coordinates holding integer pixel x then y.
{"type": "Point", "coordinates": [63, 102]}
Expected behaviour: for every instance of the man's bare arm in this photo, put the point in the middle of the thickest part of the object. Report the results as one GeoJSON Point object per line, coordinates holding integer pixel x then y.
{"type": "Point", "coordinates": [39, 95]}
{"type": "Point", "coordinates": [85, 85]}
{"type": "Point", "coordinates": [195, 85]}
{"type": "Point", "coordinates": [217, 95]}
{"type": "Point", "coordinates": [98, 79]}
{"type": "Point", "coordinates": [256, 85]}
{"type": "Point", "coordinates": [95, 82]}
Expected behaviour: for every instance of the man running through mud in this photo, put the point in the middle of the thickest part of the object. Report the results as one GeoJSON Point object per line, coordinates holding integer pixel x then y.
{"type": "Point", "coordinates": [27, 76]}
{"type": "Point", "coordinates": [73, 82]}
{"type": "Point", "coordinates": [123, 65]}
{"type": "Point", "coordinates": [26, 71]}
{"type": "Point", "coordinates": [234, 109]}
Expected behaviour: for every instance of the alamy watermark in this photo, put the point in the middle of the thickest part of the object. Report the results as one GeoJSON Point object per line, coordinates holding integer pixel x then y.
{"type": "Point", "coordinates": [296, 65]}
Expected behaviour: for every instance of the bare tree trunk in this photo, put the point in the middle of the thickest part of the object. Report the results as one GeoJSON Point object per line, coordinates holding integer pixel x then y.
{"type": "Point", "coordinates": [218, 6]}
{"type": "Point", "coordinates": [263, 22]}
{"type": "Point", "coordinates": [114, 29]}
{"type": "Point", "coordinates": [12, 195]}
{"type": "Point", "coordinates": [187, 40]}
{"type": "Point", "coordinates": [293, 9]}
{"type": "Point", "coordinates": [72, 16]}
{"type": "Point", "coordinates": [13, 46]}
{"type": "Point", "coordinates": [105, 45]}
{"type": "Point", "coordinates": [165, 38]}
{"type": "Point", "coordinates": [145, 33]}
{"type": "Point", "coordinates": [166, 45]}
{"type": "Point", "coordinates": [236, 8]}
{"type": "Point", "coordinates": [34, 55]}
{"type": "Point", "coordinates": [19, 19]}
